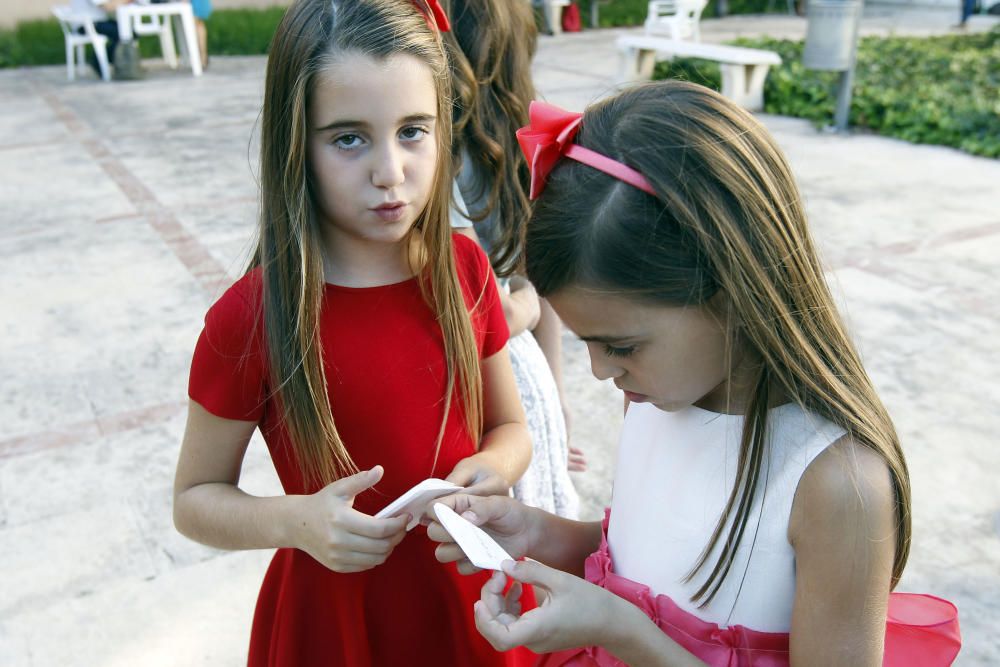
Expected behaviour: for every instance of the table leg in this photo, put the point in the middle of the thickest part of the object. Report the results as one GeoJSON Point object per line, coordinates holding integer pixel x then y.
{"type": "Point", "coordinates": [167, 42]}
{"type": "Point", "coordinates": [191, 39]}
{"type": "Point", "coordinates": [124, 17]}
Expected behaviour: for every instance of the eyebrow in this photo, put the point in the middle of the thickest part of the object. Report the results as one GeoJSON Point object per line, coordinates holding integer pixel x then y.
{"type": "Point", "coordinates": [341, 124]}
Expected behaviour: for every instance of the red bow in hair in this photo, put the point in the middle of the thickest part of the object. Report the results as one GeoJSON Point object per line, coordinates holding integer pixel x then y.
{"type": "Point", "coordinates": [548, 137]}
{"type": "Point", "coordinates": [436, 17]}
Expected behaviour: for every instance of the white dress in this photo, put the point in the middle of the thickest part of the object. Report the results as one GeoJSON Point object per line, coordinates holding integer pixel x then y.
{"type": "Point", "coordinates": [675, 472]}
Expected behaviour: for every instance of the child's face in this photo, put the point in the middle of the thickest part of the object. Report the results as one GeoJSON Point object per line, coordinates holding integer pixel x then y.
{"type": "Point", "coordinates": [670, 357]}
{"type": "Point", "coordinates": [372, 147]}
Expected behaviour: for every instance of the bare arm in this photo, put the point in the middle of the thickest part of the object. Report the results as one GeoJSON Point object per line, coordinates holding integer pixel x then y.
{"type": "Point", "coordinates": [548, 333]}
{"type": "Point", "coordinates": [842, 528]}
{"type": "Point", "coordinates": [208, 506]}
{"type": "Point", "coordinates": [505, 450]}
{"type": "Point", "coordinates": [521, 306]}
{"type": "Point", "coordinates": [211, 509]}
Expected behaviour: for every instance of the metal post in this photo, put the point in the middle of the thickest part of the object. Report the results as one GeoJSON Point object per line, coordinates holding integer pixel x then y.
{"type": "Point", "coordinates": [845, 86]}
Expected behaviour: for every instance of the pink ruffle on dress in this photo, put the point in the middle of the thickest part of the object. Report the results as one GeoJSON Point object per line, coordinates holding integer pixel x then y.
{"type": "Point", "coordinates": [921, 630]}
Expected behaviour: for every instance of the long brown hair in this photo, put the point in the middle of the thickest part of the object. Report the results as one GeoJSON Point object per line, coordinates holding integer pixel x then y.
{"type": "Point", "coordinates": [490, 47]}
{"type": "Point", "coordinates": [312, 34]}
{"type": "Point", "coordinates": [727, 218]}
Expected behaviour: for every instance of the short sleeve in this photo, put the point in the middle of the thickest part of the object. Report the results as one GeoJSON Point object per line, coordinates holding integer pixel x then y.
{"type": "Point", "coordinates": [482, 296]}
{"type": "Point", "coordinates": [228, 369]}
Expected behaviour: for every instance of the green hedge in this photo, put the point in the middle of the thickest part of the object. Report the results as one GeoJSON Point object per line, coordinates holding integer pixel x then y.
{"type": "Point", "coordinates": [633, 12]}
{"type": "Point", "coordinates": [932, 90]}
{"type": "Point", "coordinates": [230, 32]}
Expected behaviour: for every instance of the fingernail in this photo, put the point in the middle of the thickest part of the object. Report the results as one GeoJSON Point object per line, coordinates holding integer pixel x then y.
{"type": "Point", "coordinates": [469, 515]}
{"type": "Point", "coordinates": [508, 566]}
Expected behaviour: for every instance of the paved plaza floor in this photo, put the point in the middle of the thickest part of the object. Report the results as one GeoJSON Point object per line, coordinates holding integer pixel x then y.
{"type": "Point", "coordinates": [124, 209]}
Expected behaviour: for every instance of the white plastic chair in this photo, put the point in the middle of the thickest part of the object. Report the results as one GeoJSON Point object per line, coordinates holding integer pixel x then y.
{"type": "Point", "coordinates": [70, 22]}
{"type": "Point", "coordinates": [675, 19]}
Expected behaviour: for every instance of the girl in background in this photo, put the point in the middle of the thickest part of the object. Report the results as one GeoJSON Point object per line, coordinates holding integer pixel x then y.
{"type": "Point", "coordinates": [365, 342]}
{"type": "Point", "coordinates": [490, 47]}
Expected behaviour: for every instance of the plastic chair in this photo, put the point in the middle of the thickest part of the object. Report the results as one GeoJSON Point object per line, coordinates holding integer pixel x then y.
{"type": "Point", "coordinates": [675, 19]}
{"type": "Point", "coordinates": [70, 22]}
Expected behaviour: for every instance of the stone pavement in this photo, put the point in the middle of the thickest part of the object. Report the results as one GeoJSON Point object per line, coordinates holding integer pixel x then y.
{"type": "Point", "coordinates": [126, 206]}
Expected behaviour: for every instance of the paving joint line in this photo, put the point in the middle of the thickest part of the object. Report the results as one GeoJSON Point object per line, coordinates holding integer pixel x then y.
{"type": "Point", "coordinates": [185, 246]}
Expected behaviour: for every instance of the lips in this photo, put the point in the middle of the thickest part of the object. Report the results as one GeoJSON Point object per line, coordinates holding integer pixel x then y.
{"type": "Point", "coordinates": [390, 211]}
{"type": "Point", "coordinates": [635, 398]}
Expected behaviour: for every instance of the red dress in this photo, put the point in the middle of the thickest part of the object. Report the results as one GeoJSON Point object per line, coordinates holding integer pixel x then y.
{"type": "Point", "coordinates": [384, 361]}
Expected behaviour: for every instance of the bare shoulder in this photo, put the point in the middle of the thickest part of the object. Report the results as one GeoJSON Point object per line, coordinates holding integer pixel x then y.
{"type": "Point", "coordinates": [843, 531]}
{"type": "Point", "coordinates": [848, 486]}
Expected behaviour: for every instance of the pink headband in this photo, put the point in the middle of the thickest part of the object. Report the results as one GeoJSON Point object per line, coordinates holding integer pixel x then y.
{"type": "Point", "coordinates": [548, 137]}
{"type": "Point", "coordinates": [437, 17]}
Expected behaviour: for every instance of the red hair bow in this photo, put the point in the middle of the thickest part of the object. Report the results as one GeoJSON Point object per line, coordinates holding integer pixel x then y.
{"type": "Point", "coordinates": [544, 140]}
{"type": "Point", "coordinates": [548, 137]}
{"type": "Point", "coordinates": [436, 17]}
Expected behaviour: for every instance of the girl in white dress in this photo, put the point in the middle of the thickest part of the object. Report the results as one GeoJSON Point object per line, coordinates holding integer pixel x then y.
{"type": "Point", "coordinates": [761, 509]}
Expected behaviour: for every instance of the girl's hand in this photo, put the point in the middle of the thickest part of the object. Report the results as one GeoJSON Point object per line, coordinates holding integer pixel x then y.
{"type": "Point", "coordinates": [575, 612]}
{"type": "Point", "coordinates": [478, 477]}
{"type": "Point", "coordinates": [338, 536]}
{"type": "Point", "coordinates": [505, 520]}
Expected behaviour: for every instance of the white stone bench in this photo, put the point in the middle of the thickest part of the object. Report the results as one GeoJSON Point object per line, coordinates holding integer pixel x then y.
{"type": "Point", "coordinates": [743, 69]}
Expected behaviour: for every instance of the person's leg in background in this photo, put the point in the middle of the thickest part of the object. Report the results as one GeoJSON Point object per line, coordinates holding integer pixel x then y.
{"type": "Point", "coordinates": [968, 9]}
{"type": "Point", "coordinates": [109, 29]}
{"type": "Point", "coordinates": [202, 9]}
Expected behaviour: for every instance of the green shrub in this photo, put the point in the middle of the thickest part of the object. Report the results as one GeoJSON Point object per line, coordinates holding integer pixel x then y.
{"type": "Point", "coordinates": [230, 32]}
{"type": "Point", "coordinates": [633, 12]}
{"type": "Point", "coordinates": [933, 90]}
{"type": "Point", "coordinates": [37, 42]}
{"type": "Point", "coordinates": [236, 32]}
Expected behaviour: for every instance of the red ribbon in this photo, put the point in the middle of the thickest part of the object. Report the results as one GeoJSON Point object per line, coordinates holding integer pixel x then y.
{"type": "Point", "coordinates": [436, 18]}
{"type": "Point", "coordinates": [548, 137]}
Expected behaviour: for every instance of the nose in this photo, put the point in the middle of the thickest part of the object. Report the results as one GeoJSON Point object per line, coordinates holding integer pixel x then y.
{"type": "Point", "coordinates": [602, 366]}
{"type": "Point", "coordinates": [387, 171]}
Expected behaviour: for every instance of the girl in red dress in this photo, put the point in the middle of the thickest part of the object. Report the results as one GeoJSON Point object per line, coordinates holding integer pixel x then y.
{"type": "Point", "coordinates": [364, 342]}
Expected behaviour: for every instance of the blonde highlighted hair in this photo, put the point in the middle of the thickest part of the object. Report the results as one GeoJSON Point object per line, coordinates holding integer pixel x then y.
{"type": "Point", "coordinates": [311, 36]}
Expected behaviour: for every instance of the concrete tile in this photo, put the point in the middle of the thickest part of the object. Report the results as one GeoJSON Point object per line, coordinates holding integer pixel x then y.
{"type": "Point", "coordinates": [898, 187]}
{"type": "Point", "coordinates": [28, 120]}
{"type": "Point", "coordinates": [66, 556]}
{"type": "Point", "coordinates": [199, 615]}
{"type": "Point", "coordinates": [153, 502]}
{"type": "Point", "coordinates": [139, 461]}
{"type": "Point", "coordinates": [226, 229]}
{"type": "Point", "coordinates": [188, 164]}
{"type": "Point", "coordinates": [228, 95]}
{"type": "Point", "coordinates": [73, 190]}
{"type": "Point", "coordinates": [112, 281]}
